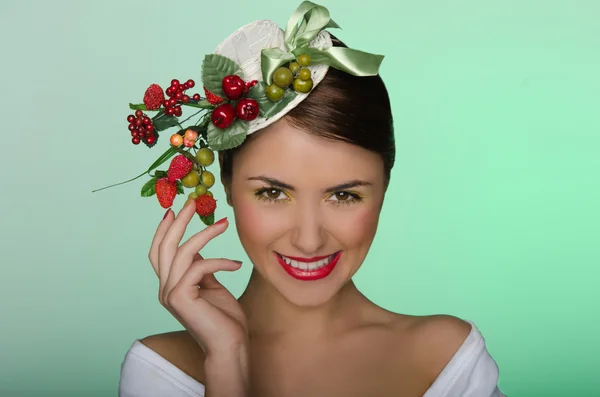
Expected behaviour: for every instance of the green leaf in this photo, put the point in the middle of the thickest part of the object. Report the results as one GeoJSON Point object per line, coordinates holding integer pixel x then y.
{"type": "Point", "coordinates": [148, 188]}
{"type": "Point", "coordinates": [214, 68]}
{"type": "Point", "coordinates": [180, 187]}
{"type": "Point", "coordinates": [219, 139]}
{"type": "Point", "coordinates": [141, 106]}
{"type": "Point", "coordinates": [160, 174]}
{"type": "Point", "coordinates": [203, 104]}
{"type": "Point", "coordinates": [269, 108]}
{"type": "Point", "coordinates": [162, 122]}
{"type": "Point", "coordinates": [208, 220]}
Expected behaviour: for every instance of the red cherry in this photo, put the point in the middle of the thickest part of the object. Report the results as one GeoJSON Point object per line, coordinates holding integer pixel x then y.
{"type": "Point", "coordinates": [166, 103]}
{"type": "Point", "coordinates": [131, 127]}
{"type": "Point", "coordinates": [223, 115]}
{"type": "Point", "coordinates": [169, 91]}
{"type": "Point", "coordinates": [174, 83]}
{"type": "Point", "coordinates": [190, 83]}
{"type": "Point", "coordinates": [172, 102]}
{"type": "Point", "coordinates": [149, 127]}
{"type": "Point", "coordinates": [178, 111]}
{"type": "Point", "coordinates": [247, 109]}
{"type": "Point", "coordinates": [233, 87]}
{"type": "Point", "coordinates": [170, 111]}
{"type": "Point", "coordinates": [135, 140]}
{"type": "Point", "coordinates": [131, 118]}
{"type": "Point", "coordinates": [138, 113]}
{"type": "Point", "coordinates": [186, 98]}
{"type": "Point", "coordinates": [150, 140]}
{"type": "Point", "coordinates": [146, 120]}
{"type": "Point", "coordinates": [196, 97]}
{"type": "Point", "coordinates": [179, 95]}
{"type": "Point", "coordinates": [134, 133]}
{"type": "Point", "coordinates": [138, 122]}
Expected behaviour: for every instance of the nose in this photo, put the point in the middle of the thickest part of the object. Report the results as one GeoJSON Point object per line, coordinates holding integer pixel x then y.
{"type": "Point", "coordinates": [309, 235]}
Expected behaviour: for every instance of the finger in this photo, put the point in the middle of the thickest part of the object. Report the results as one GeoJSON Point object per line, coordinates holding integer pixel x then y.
{"type": "Point", "coordinates": [209, 281]}
{"type": "Point", "coordinates": [187, 287]}
{"type": "Point", "coordinates": [185, 254]}
{"type": "Point", "coordinates": [170, 242]}
{"type": "Point", "coordinates": [163, 226]}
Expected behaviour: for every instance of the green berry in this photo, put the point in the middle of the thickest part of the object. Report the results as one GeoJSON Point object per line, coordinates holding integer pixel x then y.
{"type": "Point", "coordinates": [304, 60]}
{"type": "Point", "coordinates": [192, 179]}
{"type": "Point", "coordinates": [304, 74]}
{"type": "Point", "coordinates": [200, 190]}
{"type": "Point", "coordinates": [205, 156]}
{"type": "Point", "coordinates": [303, 86]}
{"type": "Point", "coordinates": [294, 67]}
{"type": "Point", "coordinates": [209, 194]}
{"type": "Point", "coordinates": [193, 195]}
{"type": "Point", "coordinates": [283, 77]}
{"type": "Point", "coordinates": [274, 92]}
{"type": "Point", "coordinates": [208, 179]}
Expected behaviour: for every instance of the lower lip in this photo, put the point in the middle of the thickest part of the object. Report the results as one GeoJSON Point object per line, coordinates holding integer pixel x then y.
{"type": "Point", "coordinates": [309, 275]}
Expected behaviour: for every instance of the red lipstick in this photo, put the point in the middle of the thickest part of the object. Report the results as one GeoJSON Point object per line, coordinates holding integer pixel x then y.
{"type": "Point", "coordinates": [307, 274]}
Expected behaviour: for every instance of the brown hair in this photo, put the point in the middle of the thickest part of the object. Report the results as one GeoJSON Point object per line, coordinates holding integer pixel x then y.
{"type": "Point", "coordinates": [342, 107]}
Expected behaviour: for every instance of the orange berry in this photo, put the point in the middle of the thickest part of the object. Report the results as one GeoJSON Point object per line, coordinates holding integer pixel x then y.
{"type": "Point", "coordinates": [191, 135]}
{"type": "Point", "coordinates": [176, 140]}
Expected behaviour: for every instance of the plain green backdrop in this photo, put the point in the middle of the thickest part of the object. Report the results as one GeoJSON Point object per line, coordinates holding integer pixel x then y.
{"type": "Point", "coordinates": [492, 215]}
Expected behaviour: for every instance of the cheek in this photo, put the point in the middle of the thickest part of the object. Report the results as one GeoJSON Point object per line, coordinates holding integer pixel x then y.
{"type": "Point", "coordinates": [357, 228]}
{"type": "Point", "coordinates": [255, 223]}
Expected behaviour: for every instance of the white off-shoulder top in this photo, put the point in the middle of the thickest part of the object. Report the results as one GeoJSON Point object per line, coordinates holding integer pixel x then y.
{"type": "Point", "coordinates": [471, 372]}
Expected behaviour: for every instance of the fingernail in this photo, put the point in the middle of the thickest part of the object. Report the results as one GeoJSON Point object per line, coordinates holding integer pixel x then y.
{"type": "Point", "coordinates": [221, 221]}
{"type": "Point", "coordinates": [238, 262]}
{"type": "Point", "coordinates": [166, 213]}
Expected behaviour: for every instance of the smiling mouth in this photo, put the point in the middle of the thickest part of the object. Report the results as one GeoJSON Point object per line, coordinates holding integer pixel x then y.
{"type": "Point", "coordinates": [308, 264]}
{"type": "Point", "coordinates": [308, 269]}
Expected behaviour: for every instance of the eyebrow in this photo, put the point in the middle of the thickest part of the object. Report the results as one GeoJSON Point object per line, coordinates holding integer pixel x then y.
{"type": "Point", "coordinates": [277, 183]}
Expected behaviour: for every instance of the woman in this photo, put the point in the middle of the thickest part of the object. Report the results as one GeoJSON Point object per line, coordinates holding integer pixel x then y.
{"type": "Point", "coordinates": [306, 190]}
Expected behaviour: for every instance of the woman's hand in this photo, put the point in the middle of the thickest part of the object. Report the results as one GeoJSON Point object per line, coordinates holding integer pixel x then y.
{"type": "Point", "coordinates": [189, 290]}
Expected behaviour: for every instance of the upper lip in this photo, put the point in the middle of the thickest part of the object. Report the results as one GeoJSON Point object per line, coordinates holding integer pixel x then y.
{"type": "Point", "coordinates": [306, 260]}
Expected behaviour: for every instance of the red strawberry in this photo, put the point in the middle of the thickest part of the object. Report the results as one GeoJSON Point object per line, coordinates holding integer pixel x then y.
{"type": "Point", "coordinates": [180, 166]}
{"type": "Point", "coordinates": [153, 97]}
{"type": "Point", "coordinates": [205, 205]}
{"type": "Point", "coordinates": [212, 98]}
{"type": "Point", "coordinates": [165, 192]}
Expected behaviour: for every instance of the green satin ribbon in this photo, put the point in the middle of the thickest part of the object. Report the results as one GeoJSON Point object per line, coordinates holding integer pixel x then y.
{"type": "Point", "coordinates": [315, 18]}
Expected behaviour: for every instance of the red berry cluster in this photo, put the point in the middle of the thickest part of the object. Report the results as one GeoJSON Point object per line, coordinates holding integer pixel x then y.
{"type": "Point", "coordinates": [141, 129]}
{"type": "Point", "coordinates": [177, 95]}
{"type": "Point", "coordinates": [246, 109]}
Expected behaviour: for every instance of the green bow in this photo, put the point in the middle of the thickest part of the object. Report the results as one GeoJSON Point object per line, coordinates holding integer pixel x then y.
{"type": "Point", "coordinates": [314, 19]}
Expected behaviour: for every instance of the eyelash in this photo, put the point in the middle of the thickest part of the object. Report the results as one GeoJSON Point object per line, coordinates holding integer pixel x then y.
{"type": "Point", "coordinates": [354, 197]}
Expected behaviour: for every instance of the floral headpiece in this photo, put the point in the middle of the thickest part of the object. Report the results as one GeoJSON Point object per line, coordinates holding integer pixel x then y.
{"type": "Point", "coordinates": [253, 78]}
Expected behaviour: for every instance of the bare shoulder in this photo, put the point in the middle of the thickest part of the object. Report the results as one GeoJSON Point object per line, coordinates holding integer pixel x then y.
{"type": "Point", "coordinates": [181, 350]}
{"type": "Point", "coordinates": [436, 339]}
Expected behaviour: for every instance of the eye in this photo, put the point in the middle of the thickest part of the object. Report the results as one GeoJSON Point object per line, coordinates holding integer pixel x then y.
{"type": "Point", "coordinates": [271, 194]}
{"type": "Point", "coordinates": [344, 197]}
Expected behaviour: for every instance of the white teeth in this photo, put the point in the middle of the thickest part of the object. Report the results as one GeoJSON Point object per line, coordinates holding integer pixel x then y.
{"type": "Point", "coordinates": [309, 265]}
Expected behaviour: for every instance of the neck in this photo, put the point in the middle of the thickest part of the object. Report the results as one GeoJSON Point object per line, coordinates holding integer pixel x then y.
{"type": "Point", "coordinates": [269, 313]}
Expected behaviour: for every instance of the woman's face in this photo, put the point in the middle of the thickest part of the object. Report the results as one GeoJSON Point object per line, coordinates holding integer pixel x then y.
{"type": "Point", "coordinates": [306, 209]}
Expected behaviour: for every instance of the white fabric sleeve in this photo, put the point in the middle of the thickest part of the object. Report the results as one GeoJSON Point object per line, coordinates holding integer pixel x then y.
{"type": "Point", "coordinates": [144, 373]}
{"type": "Point", "coordinates": [472, 372]}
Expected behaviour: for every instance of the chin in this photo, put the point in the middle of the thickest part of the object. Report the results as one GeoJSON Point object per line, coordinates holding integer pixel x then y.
{"type": "Point", "coordinates": [308, 282]}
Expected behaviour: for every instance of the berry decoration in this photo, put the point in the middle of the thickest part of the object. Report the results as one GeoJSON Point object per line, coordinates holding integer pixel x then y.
{"type": "Point", "coordinates": [154, 97]}
{"type": "Point", "coordinates": [247, 109]}
{"type": "Point", "coordinates": [180, 166]}
{"type": "Point", "coordinates": [166, 191]}
{"type": "Point", "coordinates": [205, 205]}
{"type": "Point", "coordinates": [212, 98]}
{"type": "Point", "coordinates": [223, 115]}
{"type": "Point", "coordinates": [233, 87]}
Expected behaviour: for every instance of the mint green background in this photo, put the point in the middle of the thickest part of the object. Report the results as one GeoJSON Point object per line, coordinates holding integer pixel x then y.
{"type": "Point", "coordinates": [493, 212]}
